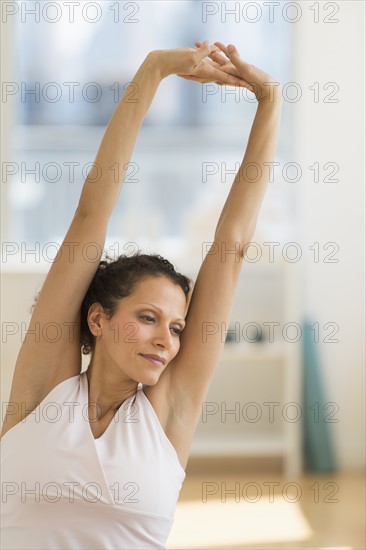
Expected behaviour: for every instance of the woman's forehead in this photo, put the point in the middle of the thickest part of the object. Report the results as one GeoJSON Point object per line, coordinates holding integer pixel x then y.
{"type": "Point", "coordinates": [161, 293]}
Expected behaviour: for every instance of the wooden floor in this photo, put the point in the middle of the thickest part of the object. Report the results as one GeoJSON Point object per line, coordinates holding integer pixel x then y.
{"type": "Point", "coordinates": [268, 511]}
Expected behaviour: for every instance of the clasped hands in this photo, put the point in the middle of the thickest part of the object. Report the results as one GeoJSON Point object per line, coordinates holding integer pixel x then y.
{"type": "Point", "coordinates": [217, 63]}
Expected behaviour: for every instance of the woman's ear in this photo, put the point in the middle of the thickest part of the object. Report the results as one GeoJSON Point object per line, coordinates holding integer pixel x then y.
{"type": "Point", "coordinates": [94, 319]}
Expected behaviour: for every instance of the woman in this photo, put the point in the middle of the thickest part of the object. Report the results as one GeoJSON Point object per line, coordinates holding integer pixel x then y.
{"type": "Point", "coordinates": [96, 460]}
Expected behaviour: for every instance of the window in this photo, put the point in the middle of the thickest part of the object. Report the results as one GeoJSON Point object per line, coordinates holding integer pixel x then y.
{"type": "Point", "coordinates": [72, 61]}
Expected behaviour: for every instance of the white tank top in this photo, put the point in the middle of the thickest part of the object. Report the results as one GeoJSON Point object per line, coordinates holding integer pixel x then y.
{"type": "Point", "coordinates": [63, 489]}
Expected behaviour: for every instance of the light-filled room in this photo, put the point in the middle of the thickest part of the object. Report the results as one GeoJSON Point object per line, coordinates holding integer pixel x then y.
{"type": "Point", "coordinates": [183, 275]}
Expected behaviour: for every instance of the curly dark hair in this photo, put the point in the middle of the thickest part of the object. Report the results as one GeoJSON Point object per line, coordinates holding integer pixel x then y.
{"type": "Point", "coordinates": [117, 279]}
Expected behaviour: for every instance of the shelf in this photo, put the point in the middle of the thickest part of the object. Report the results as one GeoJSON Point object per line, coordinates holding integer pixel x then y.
{"type": "Point", "coordinates": [253, 352]}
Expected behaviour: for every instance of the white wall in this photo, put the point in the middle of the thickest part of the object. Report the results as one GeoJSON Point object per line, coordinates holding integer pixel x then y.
{"type": "Point", "coordinates": [334, 132]}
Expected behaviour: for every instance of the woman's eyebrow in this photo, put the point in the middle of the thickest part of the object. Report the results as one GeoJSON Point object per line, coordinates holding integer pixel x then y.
{"type": "Point", "coordinates": [159, 309]}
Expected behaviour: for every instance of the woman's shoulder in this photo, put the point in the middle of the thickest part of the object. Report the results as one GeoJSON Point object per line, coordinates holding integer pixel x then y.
{"type": "Point", "coordinates": [57, 394]}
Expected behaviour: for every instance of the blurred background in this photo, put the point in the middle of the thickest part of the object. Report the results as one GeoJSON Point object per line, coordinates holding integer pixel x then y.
{"type": "Point", "coordinates": [286, 407]}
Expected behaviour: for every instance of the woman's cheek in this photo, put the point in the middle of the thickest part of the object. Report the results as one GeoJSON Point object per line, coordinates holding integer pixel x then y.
{"type": "Point", "coordinates": [176, 348]}
{"type": "Point", "coordinates": [124, 331]}
{"type": "Point", "coordinates": [132, 332]}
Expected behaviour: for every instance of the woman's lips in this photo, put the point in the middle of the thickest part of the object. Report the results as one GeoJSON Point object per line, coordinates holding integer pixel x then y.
{"type": "Point", "coordinates": [153, 360]}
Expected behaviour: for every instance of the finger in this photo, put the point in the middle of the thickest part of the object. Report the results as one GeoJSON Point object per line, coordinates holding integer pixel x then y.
{"type": "Point", "coordinates": [229, 69]}
{"type": "Point", "coordinates": [232, 51]}
{"type": "Point", "coordinates": [201, 80]}
{"type": "Point", "coordinates": [222, 47]}
{"type": "Point", "coordinates": [208, 80]}
{"type": "Point", "coordinates": [206, 48]}
{"type": "Point", "coordinates": [216, 56]}
{"type": "Point", "coordinates": [217, 74]}
{"type": "Point", "coordinates": [233, 55]}
{"type": "Point", "coordinates": [213, 63]}
{"type": "Point", "coordinates": [199, 44]}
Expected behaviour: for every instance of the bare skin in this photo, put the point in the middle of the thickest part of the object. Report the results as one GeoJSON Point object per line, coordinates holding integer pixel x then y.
{"type": "Point", "coordinates": [177, 389]}
{"type": "Point", "coordinates": [138, 328]}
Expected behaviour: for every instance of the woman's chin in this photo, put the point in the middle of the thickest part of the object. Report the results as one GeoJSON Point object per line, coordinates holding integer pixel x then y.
{"type": "Point", "coordinates": [149, 380]}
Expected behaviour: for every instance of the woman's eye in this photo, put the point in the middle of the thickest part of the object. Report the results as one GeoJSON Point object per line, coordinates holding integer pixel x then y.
{"type": "Point", "coordinates": [147, 317]}
{"type": "Point", "coordinates": [177, 331]}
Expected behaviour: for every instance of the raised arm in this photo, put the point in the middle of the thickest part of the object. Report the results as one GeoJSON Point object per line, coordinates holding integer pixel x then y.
{"type": "Point", "coordinates": [72, 271]}
{"type": "Point", "coordinates": [50, 352]}
{"type": "Point", "coordinates": [240, 212]}
{"type": "Point", "coordinates": [211, 304]}
{"type": "Point", "coordinates": [101, 190]}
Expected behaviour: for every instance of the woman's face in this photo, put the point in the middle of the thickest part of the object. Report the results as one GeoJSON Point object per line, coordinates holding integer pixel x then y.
{"type": "Point", "coordinates": [146, 323]}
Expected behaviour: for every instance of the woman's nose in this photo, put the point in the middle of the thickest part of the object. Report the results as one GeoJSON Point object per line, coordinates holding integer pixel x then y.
{"type": "Point", "coordinates": [163, 337]}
